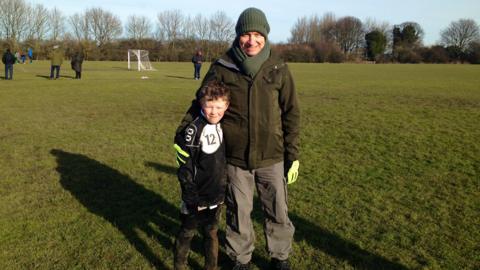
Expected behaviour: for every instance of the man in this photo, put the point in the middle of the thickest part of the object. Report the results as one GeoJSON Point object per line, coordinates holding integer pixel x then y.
{"type": "Point", "coordinates": [56, 60]}
{"type": "Point", "coordinates": [261, 131]}
{"type": "Point", "coordinates": [9, 60]}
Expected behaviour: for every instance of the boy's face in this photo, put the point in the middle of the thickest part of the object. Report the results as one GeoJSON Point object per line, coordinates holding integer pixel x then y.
{"type": "Point", "coordinates": [214, 110]}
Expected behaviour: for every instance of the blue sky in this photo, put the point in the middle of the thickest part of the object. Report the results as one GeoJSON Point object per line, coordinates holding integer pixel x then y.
{"type": "Point", "coordinates": [432, 15]}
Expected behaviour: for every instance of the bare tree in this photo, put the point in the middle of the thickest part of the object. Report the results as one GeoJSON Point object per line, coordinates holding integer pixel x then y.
{"type": "Point", "coordinates": [349, 33]}
{"type": "Point", "coordinates": [222, 32]}
{"type": "Point", "coordinates": [201, 27]}
{"type": "Point", "coordinates": [188, 29]}
{"type": "Point", "coordinates": [57, 26]}
{"type": "Point", "coordinates": [14, 19]}
{"type": "Point", "coordinates": [138, 27]}
{"type": "Point", "coordinates": [38, 23]}
{"type": "Point", "coordinates": [103, 25]}
{"type": "Point", "coordinates": [170, 23]}
{"type": "Point", "coordinates": [299, 31]}
{"type": "Point", "coordinates": [222, 27]}
{"type": "Point", "coordinates": [461, 34]}
{"type": "Point", "coordinates": [79, 24]}
{"type": "Point", "coordinates": [327, 27]}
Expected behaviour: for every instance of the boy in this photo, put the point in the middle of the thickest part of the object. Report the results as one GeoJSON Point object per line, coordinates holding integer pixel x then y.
{"type": "Point", "coordinates": [202, 175]}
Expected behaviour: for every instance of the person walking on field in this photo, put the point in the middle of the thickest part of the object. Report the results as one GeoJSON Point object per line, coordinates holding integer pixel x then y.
{"type": "Point", "coordinates": [8, 59]}
{"type": "Point", "coordinates": [56, 60]}
{"type": "Point", "coordinates": [76, 63]}
{"type": "Point", "coordinates": [197, 61]}
{"type": "Point", "coordinates": [261, 130]}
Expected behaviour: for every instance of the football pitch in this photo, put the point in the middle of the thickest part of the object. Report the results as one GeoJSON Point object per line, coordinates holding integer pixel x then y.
{"type": "Point", "coordinates": [389, 167]}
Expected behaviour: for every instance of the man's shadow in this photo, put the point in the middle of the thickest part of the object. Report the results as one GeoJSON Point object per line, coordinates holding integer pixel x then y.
{"type": "Point", "coordinates": [117, 198]}
{"type": "Point", "coordinates": [330, 243]}
{"type": "Point", "coordinates": [47, 77]}
{"type": "Point", "coordinates": [305, 230]}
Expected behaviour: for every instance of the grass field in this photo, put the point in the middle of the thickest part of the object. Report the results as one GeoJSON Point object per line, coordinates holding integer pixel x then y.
{"type": "Point", "coordinates": [389, 169]}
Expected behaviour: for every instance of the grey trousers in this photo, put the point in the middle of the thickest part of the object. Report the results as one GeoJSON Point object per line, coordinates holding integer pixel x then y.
{"type": "Point", "coordinates": [272, 192]}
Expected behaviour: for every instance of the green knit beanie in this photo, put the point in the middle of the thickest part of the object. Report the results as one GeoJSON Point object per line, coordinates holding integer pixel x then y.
{"type": "Point", "coordinates": [252, 20]}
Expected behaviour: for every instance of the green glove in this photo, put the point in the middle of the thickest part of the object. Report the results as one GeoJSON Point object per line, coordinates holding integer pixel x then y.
{"type": "Point", "coordinates": [292, 173]}
{"type": "Point", "coordinates": [181, 155]}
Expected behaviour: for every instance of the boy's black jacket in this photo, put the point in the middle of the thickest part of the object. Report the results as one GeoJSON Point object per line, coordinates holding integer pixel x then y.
{"type": "Point", "coordinates": [203, 176]}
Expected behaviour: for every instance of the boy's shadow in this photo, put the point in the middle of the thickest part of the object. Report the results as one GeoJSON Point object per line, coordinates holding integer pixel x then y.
{"type": "Point", "coordinates": [117, 198]}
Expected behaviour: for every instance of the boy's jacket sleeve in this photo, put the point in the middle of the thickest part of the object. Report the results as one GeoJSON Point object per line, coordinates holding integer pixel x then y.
{"type": "Point", "coordinates": [186, 171]}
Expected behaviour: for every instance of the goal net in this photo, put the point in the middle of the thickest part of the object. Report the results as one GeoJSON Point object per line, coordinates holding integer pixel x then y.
{"type": "Point", "coordinates": [140, 58]}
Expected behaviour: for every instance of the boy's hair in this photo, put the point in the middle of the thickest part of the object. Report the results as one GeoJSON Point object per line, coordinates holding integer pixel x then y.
{"type": "Point", "coordinates": [213, 90]}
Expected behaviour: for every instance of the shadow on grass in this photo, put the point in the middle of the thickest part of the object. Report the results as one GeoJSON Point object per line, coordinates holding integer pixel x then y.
{"type": "Point", "coordinates": [162, 168]}
{"type": "Point", "coordinates": [331, 244]}
{"type": "Point", "coordinates": [196, 244]}
{"type": "Point", "coordinates": [179, 77]}
{"type": "Point", "coordinates": [47, 77]}
{"type": "Point", "coordinates": [340, 248]}
{"type": "Point", "coordinates": [117, 198]}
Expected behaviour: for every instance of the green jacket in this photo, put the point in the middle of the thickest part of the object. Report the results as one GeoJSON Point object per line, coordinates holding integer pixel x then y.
{"type": "Point", "coordinates": [56, 57]}
{"type": "Point", "coordinates": [261, 125]}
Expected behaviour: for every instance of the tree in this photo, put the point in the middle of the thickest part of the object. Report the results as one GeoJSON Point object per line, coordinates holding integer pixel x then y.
{"type": "Point", "coordinates": [103, 26]}
{"type": "Point", "coordinates": [38, 25]}
{"type": "Point", "coordinates": [460, 34]}
{"type": "Point", "coordinates": [314, 29]}
{"type": "Point", "coordinates": [349, 34]}
{"type": "Point", "coordinates": [407, 38]}
{"type": "Point", "coordinates": [170, 24]}
{"type": "Point", "coordinates": [299, 31]}
{"type": "Point", "coordinates": [14, 18]}
{"type": "Point", "coordinates": [57, 26]}
{"type": "Point", "coordinates": [474, 53]}
{"type": "Point", "coordinates": [408, 34]}
{"type": "Point", "coordinates": [201, 31]}
{"type": "Point", "coordinates": [138, 27]}
{"type": "Point", "coordinates": [376, 42]}
{"type": "Point", "coordinates": [222, 31]}
{"type": "Point", "coordinates": [79, 24]}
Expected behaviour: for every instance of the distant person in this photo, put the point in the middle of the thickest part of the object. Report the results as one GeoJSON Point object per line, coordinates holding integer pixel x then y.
{"type": "Point", "coordinates": [30, 55]}
{"type": "Point", "coordinates": [56, 60]}
{"type": "Point", "coordinates": [197, 61]}
{"type": "Point", "coordinates": [23, 57]}
{"type": "Point", "coordinates": [76, 63]}
{"type": "Point", "coordinates": [8, 59]}
{"type": "Point", "coordinates": [202, 175]}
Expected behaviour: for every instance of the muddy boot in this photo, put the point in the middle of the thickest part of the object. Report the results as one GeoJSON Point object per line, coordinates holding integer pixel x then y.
{"type": "Point", "coordinates": [182, 248]}
{"type": "Point", "coordinates": [211, 248]}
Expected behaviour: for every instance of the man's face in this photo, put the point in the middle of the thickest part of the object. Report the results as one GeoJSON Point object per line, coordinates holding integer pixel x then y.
{"type": "Point", "coordinates": [251, 43]}
{"type": "Point", "coordinates": [214, 110]}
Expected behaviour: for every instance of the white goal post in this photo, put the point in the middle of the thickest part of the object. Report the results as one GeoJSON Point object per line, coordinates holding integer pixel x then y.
{"type": "Point", "coordinates": [143, 63]}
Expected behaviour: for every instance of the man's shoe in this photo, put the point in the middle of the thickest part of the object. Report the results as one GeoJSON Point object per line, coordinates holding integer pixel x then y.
{"type": "Point", "coordinates": [241, 266]}
{"type": "Point", "coordinates": [277, 264]}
